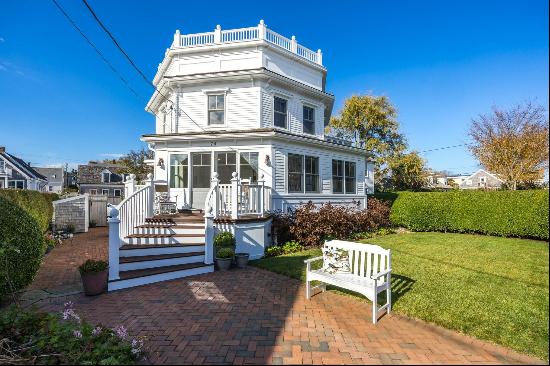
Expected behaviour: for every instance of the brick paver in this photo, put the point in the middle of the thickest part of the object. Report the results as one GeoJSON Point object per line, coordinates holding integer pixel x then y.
{"type": "Point", "coordinates": [254, 316]}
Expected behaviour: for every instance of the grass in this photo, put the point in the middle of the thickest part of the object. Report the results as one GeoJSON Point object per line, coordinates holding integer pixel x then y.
{"type": "Point", "coordinates": [489, 287]}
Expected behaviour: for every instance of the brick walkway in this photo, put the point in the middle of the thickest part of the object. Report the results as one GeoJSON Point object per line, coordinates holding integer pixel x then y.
{"type": "Point", "coordinates": [255, 316]}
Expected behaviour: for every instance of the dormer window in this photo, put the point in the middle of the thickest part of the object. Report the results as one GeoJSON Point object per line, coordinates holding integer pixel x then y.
{"type": "Point", "coordinates": [279, 112]}
{"type": "Point", "coordinates": [309, 120]}
{"type": "Point", "coordinates": [106, 177]}
{"type": "Point", "coordinates": [216, 109]}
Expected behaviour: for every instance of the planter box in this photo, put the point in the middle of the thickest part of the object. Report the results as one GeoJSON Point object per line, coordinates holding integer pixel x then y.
{"type": "Point", "coordinates": [94, 283]}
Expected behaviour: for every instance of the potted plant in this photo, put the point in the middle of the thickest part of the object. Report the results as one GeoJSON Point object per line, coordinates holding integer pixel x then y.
{"type": "Point", "coordinates": [241, 259]}
{"type": "Point", "coordinates": [94, 276]}
{"type": "Point", "coordinates": [225, 249]}
{"type": "Point", "coordinates": [224, 257]}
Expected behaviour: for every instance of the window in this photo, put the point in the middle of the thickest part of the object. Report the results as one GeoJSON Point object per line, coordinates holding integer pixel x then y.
{"type": "Point", "coordinates": [179, 169]}
{"type": "Point", "coordinates": [216, 109]}
{"type": "Point", "coordinates": [117, 192]}
{"type": "Point", "coordinates": [279, 112]}
{"type": "Point", "coordinates": [312, 174]}
{"type": "Point", "coordinates": [343, 177]}
{"type": "Point", "coordinates": [201, 170]}
{"type": "Point", "coordinates": [303, 173]}
{"type": "Point", "coordinates": [295, 173]}
{"type": "Point", "coordinates": [106, 177]}
{"type": "Point", "coordinates": [309, 120]}
{"type": "Point", "coordinates": [226, 163]}
{"type": "Point", "coordinates": [93, 191]}
{"type": "Point", "coordinates": [337, 176]}
{"type": "Point", "coordinates": [249, 166]}
{"type": "Point", "coordinates": [105, 192]}
{"type": "Point", "coordinates": [50, 188]}
{"type": "Point", "coordinates": [350, 177]}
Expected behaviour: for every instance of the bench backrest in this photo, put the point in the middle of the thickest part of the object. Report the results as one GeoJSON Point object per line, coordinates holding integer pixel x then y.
{"type": "Point", "coordinates": [364, 259]}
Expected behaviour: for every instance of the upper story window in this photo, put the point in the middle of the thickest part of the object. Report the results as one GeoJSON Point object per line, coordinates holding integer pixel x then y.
{"type": "Point", "coordinates": [216, 109]}
{"type": "Point", "coordinates": [280, 112]}
{"type": "Point", "coordinates": [309, 120]}
{"type": "Point", "coordinates": [106, 177]}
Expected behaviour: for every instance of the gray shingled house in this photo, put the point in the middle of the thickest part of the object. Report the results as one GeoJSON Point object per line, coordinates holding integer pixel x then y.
{"type": "Point", "coordinates": [101, 178]}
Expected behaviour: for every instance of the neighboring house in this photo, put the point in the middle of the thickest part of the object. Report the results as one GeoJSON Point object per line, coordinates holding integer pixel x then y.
{"type": "Point", "coordinates": [16, 173]}
{"type": "Point", "coordinates": [438, 180]}
{"type": "Point", "coordinates": [481, 179]}
{"type": "Point", "coordinates": [100, 178]}
{"type": "Point", "coordinates": [255, 105]}
{"type": "Point", "coordinates": [55, 178]}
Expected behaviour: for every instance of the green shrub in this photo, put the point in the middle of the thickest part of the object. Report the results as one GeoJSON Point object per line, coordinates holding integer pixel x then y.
{"type": "Point", "coordinates": [22, 247]}
{"type": "Point", "coordinates": [292, 247]}
{"type": "Point", "coordinates": [91, 266]}
{"type": "Point", "coordinates": [37, 204]}
{"type": "Point", "coordinates": [64, 339]}
{"type": "Point", "coordinates": [500, 213]}
{"type": "Point", "coordinates": [224, 253]}
{"type": "Point", "coordinates": [274, 251]}
{"type": "Point", "coordinates": [224, 240]}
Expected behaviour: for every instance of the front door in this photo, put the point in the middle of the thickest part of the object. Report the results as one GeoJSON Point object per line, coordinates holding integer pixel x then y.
{"type": "Point", "coordinates": [201, 167]}
{"type": "Point", "coordinates": [179, 179]}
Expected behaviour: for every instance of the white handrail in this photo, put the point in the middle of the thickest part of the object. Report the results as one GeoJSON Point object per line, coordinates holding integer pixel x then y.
{"type": "Point", "coordinates": [260, 32]}
{"type": "Point", "coordinates": [133, 211]}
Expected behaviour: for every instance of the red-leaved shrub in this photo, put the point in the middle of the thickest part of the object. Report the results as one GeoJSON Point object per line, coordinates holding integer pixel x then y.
{"type": "Point", "coordinates": [310, 224]}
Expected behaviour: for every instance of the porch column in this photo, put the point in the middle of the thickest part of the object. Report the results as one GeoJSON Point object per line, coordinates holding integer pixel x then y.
{"type": "Point", "coordinates": [261, 187]}
{"type": "Point", "coordinates": [130, 185]}
{"type": "Point", "coordinates": [151, 184]}
{"type": "Point", "coordinates": [235, 196]}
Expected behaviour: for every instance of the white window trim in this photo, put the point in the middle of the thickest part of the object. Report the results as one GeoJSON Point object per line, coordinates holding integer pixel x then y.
{"type": "Point", "coordinates": [119, 192]}
{"type": "Point", "coordinates": [303, 191]}
{"type": "Point", "coordinates": [287, 98]}
{"type": "Point", "coordinates": [209, 92]}
{"type": "Point", "coordinates": [103, 191]}
{"type": "Point", "coordinates": [102, 176]}
{"type": "Point", "coordinates": [344, 191]}
{"type": "Point", "coordinates": [312, 106]}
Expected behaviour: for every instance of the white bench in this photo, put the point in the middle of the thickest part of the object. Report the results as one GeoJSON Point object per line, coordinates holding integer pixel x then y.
{"type": "Point", "coordinates": [369, 275]}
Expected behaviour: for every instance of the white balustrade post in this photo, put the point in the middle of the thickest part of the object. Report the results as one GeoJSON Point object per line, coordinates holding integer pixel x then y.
{"type": "Point", "coordinates": [130, 185]}
{"type": "Point", "coordinates": [319, 57]}
{"type": "Point", "coordinates": [294, 44]}
{"type": "Point", "coordinates": [114, 242]}
{"type": "Point", "coordinates": [177, 38]}
{"type": "Point", "coordinates": [262, 30]}
{"type": "Point", "coordinates": [261, 184]}
{"type": "Point", "coordinates": [218, 34]}
{"type": "Point", "coordinates": [214, 183]}
{"type": "Point", "coordinates": [235, 196]}
{"type": "Point", "coordinates": [209, 236]}
{"type": "Point", "coordinates": [151, 201]}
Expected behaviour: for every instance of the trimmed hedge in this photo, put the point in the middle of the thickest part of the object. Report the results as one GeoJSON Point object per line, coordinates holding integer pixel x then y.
{"type": "Point", "coordinates": [37, 204]}
{"type": "Point", "coordinates": [500, 213]}
{"type": "Point", "coordinates": [22, 246]}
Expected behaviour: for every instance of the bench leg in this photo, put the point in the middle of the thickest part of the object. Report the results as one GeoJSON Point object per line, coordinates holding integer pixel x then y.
{"type": "Point", "coordinates": [388, 298]}
{"type": "Point", "coordinates": [374, 310]}
{"type": "Point", "coordinates": [308, 289]}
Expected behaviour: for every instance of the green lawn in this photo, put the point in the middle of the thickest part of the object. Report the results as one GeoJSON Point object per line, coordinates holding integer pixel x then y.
{"type": "Point", "coordinates": [488, 287]}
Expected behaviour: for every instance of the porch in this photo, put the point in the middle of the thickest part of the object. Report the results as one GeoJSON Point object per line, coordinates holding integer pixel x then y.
{"type": "Point", "coordinates": [152, 239]}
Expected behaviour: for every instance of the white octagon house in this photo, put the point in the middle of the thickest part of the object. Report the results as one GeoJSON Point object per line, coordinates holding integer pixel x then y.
{"type": "Point", "coordinates": [240, 131]}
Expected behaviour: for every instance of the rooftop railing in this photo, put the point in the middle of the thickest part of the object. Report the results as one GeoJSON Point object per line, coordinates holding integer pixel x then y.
{"type": "Point", "coordinates": [260, 32]}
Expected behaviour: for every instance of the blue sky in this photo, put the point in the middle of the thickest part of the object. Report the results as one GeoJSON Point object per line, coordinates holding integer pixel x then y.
{"type": "Point", "coordinates": [440, 62]}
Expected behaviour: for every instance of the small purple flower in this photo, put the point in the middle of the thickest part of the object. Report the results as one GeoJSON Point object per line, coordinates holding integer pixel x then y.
{"type": "Point", "coordinates": [77, 334]}
{"type": "Point", "coordinates": [96, 331]}
{"type": "Point", "coordinates": [121, 332]}
{"type": "Point", "coordinates": [137, 345]}
{"type": "Point", "coordinates": [70, 314]}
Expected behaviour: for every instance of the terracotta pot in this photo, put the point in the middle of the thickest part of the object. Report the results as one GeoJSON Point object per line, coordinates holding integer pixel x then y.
{"type": "Point", "coordinates": [224, 263]}
{"type": "Point", "coordinates": [242, 259]}
{"type": "Point", "coordinates": [94, 283]}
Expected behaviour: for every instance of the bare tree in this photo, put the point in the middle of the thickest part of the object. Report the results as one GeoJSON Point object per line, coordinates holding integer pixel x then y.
{"type": "Point", "coordinates": [512, 143]}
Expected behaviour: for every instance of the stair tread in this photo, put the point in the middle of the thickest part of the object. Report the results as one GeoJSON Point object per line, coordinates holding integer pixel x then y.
{"type": "Point", "coordinates": [168, 235]}
{"type": "Point", "coordinates": [170, 226]}
{"type": "Point", "coordinates": [154, 246]}
{"type": "Point", "coordinates": [127, 275]}
{"type": "Point", "coordinates": [145, 258]}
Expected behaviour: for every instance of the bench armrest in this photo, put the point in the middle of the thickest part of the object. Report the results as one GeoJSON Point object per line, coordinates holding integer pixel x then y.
{"type": "Point", "coordinates": [380, 274]}
{"type": "Point", "coordinates": [313, 259]}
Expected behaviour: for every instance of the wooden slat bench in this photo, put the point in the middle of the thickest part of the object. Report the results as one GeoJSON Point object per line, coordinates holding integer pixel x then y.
{"type": "Point", "coordinates": [369, 275]}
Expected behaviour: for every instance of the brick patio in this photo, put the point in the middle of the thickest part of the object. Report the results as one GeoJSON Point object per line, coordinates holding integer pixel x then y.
{"type": "Point", "coordinates": [255, 316]}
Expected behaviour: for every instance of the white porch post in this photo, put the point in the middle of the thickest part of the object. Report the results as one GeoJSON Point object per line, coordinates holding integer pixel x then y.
{"type": "Point", "coordinates": [214, 183]}
{"type": "Point", "coordinates": [218, 34]}
{"type": "Point", "coordinates": [151, 203]}
{"type": "Point", "coordinates": [114, 243]}
{"type": "Point", "coordinates": [261, 184]}
{"type": "Point", "coordinates": [130, 185]}
{"type": "Point", "coordinates": [261, 30]}
{"type": "Point", "coordinates": [235, 196]}
{"type": "Point", "coordinates": [319, 57]}
{"type": "Point", "coordinates": [177, 39]}
{"type": "Point", "coordinates": [294, 44]}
